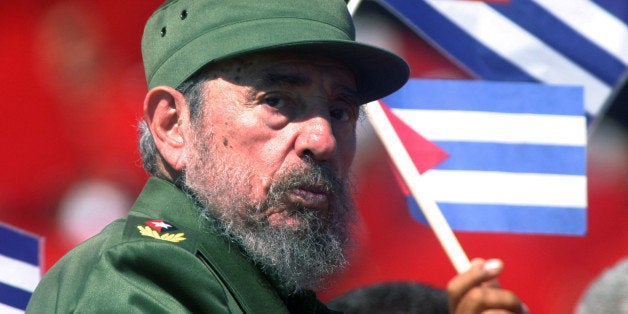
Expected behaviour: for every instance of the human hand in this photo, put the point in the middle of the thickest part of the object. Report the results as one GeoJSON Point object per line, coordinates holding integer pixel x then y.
{"type": "Point", "coordinates": [477, 291]}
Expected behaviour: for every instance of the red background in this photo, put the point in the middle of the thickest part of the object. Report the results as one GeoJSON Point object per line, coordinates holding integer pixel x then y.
{"type": "Point", "coordinates": [72, 88]}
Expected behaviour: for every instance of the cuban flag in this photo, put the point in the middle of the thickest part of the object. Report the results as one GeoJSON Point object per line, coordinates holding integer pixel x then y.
{"type": "Point", "coordinates": [516, 153]}
{"type": "Point", "coordinates": [565, 42]}
{"type": "Point", "coordinates": [20, 269]}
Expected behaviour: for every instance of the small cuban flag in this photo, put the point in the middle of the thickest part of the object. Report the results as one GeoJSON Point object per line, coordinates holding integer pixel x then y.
{"type": "Point", "coordinates": [516, 153]}
{"type": "Point", "coordinates": [20, 268]}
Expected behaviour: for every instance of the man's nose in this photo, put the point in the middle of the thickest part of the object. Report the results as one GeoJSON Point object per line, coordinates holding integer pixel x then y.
{"type": "Point", "coordinates": [316, 138]}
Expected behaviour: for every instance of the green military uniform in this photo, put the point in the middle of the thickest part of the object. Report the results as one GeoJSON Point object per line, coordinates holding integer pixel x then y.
{"type": "Point", "coordinates": [162, 259]}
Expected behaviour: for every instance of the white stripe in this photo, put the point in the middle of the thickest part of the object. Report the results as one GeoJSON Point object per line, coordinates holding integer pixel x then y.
{"type": "Point", "coordinates": [522, 48]}
{"type": "Point", "coordinates": [450, 125]}
{"type": "Point", "coordinates": [486, 187]}
{"type": "Point", "coordinates": [5, 309]}
{"type": "Point", "coordinates": [593, 22]}
{"type": "Point", "coordinates": [19, 274]}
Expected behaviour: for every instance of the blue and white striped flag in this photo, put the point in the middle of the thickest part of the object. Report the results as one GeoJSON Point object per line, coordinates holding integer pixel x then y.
{"type": "Point", "coordinates": [516, 153]}
{"type": "Point", "coordinates": [572, 42]}
{"type": "Point", "coordinates": [19, 268]}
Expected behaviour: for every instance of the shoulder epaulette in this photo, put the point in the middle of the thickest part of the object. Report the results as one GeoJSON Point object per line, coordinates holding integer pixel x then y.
{"type": "Point", "coordinates": [159, 230]}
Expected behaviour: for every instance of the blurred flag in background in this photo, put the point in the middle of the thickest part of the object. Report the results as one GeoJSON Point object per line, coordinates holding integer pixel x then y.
{"type": "Point", "coordinates": [573, 42]}
{"type": "Point", "coordinates": [20, 271]}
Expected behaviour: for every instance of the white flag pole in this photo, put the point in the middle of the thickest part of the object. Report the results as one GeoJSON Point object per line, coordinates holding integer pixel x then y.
{"type": "Point", "coordinates": [412, 178]}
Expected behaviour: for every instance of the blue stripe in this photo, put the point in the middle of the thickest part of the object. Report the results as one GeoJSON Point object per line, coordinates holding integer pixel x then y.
{"type": "Point", "coordinates": [556, 34]}
{"type": "Point", "coordinates": [506, 218]}
{"type": "Point", "coordinates": [19, 245]}
{"type": "Point", "coordinates": [488, 96]}
{"type": "Point", "coordinates": [517, 158]}
{"type": "Point", "coordinates": [617, 8]}
{"type": "Point", "coordinates": [453, 41]}
{"type": "Point", "coordinates": [14, 297]}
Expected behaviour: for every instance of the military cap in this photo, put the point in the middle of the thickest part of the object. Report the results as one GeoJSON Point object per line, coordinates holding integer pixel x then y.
{"type": "Point", "coordinates": [182, 36]}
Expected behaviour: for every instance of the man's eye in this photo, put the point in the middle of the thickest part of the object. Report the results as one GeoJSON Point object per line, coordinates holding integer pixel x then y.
{"type": "Point", "coordinates": [345, 108]}
{"type": "Point", "coordinates": [341, 114]}
{"type": "Point", "coordinates": [275, 101]}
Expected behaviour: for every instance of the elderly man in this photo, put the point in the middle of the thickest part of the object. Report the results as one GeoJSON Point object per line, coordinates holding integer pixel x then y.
{"type": "Point", "coordinates": [249, 134]}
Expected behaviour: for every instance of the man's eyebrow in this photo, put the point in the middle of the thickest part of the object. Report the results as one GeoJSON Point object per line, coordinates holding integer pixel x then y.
{"type": "Point", "coordinates": [352, 92]}
{"type": "Point", "coordinates": [282, 79]}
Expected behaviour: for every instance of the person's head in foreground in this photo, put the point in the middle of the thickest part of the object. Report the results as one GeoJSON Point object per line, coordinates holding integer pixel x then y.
{"type": "Point", "coordinates": [250, 115]}
{"type": "Point", "coordinates": [392, 297]}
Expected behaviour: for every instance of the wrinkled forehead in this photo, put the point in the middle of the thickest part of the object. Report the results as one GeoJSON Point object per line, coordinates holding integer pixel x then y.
{"type": "Point", "coordinates": [286, 67]}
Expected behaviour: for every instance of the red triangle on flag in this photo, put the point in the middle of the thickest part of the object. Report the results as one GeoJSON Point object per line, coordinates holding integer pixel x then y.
{"type": "Point", "coordinates": [424, 153]}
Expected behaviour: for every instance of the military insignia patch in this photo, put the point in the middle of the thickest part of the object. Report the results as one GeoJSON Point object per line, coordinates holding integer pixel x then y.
{"type": "Point", "coordinates": [159, 225]}
{"type": "Point", "coordinates": [154, 229]}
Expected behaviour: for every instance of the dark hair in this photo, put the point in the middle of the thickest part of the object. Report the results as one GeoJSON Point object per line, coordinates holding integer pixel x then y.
{"type": "Point", "coordinates": [392, 297]}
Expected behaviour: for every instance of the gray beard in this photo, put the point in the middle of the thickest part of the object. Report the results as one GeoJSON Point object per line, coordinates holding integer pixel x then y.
{"type": "Point", "coordinates": [295, 257]}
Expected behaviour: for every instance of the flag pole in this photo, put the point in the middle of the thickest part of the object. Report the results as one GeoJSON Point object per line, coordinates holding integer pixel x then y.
{"type": "Point", "coordinates": [412, 178]}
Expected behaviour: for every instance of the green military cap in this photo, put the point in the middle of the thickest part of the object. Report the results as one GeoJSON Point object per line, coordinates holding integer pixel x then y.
{"type": "Point", "coordinates": [182, 36]}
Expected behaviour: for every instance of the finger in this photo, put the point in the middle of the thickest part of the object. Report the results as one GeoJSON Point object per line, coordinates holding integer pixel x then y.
{"type": "Point", "coordinates": [493, 283]}
{"type": "Point", "coordinates": [480, 271]}
{"type": "Point", "coordinates": [489, 300]}
{"type": "Point", "coordinates": [497, 312]}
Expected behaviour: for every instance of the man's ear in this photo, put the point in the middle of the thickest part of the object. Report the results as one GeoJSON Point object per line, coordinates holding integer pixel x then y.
{"type": "Point", "coordinates": [167, 115]}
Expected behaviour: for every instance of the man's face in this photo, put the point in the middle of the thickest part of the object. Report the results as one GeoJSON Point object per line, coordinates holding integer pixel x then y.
{"type": "Point", "coordinates": [271, 153]}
